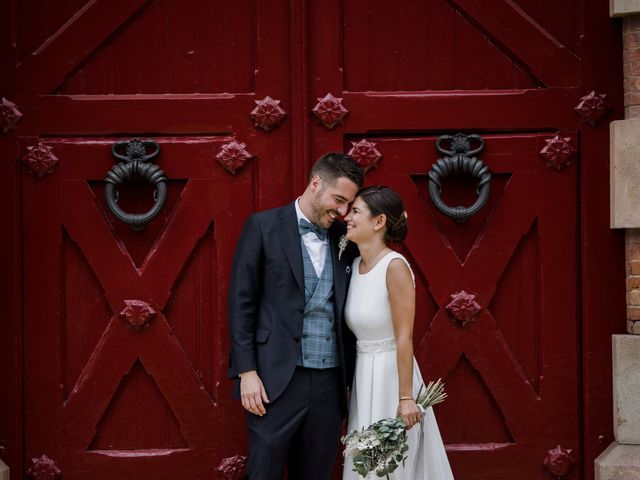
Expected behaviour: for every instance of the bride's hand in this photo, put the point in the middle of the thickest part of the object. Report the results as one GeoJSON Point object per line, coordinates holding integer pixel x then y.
{"type": "Point", "coordinates": [409, 411]}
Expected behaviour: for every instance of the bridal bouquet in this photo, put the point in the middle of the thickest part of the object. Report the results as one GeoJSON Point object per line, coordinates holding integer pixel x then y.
{"type": "Point", "coordinates": [381, 447]}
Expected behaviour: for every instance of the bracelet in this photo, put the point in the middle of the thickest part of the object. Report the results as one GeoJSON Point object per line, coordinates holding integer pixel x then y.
{"type": "Point", "coordinates": [405, 398]}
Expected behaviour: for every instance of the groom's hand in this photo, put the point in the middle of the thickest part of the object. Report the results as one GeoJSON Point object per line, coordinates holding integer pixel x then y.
{"type": "Point", "coordinates": [252, 393]}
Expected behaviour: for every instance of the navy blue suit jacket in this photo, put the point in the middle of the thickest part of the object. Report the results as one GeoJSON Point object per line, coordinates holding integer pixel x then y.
{"type": "Point", "coordinates": [266, 299]}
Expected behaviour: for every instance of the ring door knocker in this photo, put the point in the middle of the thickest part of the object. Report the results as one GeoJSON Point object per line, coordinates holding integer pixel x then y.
{"type": "Point", "coordinates": [136, 165]}
{"type": "Point", "coordinates": [459, 159]}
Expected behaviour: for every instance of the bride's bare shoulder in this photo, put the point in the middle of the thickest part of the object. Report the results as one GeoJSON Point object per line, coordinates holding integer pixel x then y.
{"type": "Point", "coordinates": [399, 272]}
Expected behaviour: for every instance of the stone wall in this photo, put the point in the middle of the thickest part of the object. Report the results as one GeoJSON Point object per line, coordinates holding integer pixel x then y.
{"type": "Point", "coordinates": [621, 460]}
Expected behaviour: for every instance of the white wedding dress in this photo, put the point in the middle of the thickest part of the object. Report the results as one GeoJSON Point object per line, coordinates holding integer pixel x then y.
{"type": "Point", "coordinates": [374, 395]}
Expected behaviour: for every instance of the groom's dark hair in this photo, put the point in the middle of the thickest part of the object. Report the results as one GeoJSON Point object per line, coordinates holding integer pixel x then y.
{"type": "Point", "coordinates": [333, 165]}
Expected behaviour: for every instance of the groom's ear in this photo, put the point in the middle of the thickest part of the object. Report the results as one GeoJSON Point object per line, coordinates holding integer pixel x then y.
{"type": "Point", "coordinates": [315, 183]}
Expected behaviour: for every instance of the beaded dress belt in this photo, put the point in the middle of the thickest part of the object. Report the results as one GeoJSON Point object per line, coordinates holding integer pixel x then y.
{"type": "Point", "coordinates": [376, 346]}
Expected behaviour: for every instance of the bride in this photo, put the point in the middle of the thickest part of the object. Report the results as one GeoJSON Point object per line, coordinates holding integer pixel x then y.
{"type": "Point", "coordinates": [380, 311]}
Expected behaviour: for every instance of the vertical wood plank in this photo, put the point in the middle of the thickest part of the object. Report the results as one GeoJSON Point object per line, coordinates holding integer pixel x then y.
{"type": "Point", "coordinates": [441, 46]}
{"type": "Point", "coordinates": [603, 276]}
{"type": "Point", "coordinates": [181, 43]}
{"type": "Point", "coordinates": [325, 72]}
{"type": "Point", "coordinates": [11, 356]}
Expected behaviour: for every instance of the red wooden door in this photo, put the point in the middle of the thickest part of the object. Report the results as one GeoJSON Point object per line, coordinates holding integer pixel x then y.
{"type": "Point", "coordinates": [103, 399]}
{"type": "Point", "coordinates": [511, 372]}
{"type": "Point", "coordinates": [406, 72]}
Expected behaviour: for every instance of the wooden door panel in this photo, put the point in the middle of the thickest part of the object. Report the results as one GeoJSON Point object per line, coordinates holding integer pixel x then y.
{"type": "Point", "coordinates": [560, 19]}
{"type": "Point", "coordinates": [177, 47]}
{"type": "Point", "coordinates": [44, 69]}
{"type": "Point", "coordinates": [153, 403]}
{"type": "Point", "coordinates": [415, 45]}
{"type": "Point", "coordinates": [164, 46]}
{"type": "Point", "coordinates": [154, 427]}
{"type": "Point", "coordinates": [512, 375]}
{"type": "Point", "coordinates": [453, 45]}
{"type": "Point", "coordinates": [107, 402]}
{"type": "Point", "coordinates": [121, 392]}
{"type": "Point", "coordinates": [504, 23]}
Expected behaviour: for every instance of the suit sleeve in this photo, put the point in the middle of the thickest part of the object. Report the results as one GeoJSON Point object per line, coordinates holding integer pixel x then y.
{"type": "Point", "coordinates": [243, 298]}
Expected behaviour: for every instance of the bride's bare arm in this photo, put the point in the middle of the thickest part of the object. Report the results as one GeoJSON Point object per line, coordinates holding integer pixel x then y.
{"type": "Point", "coordinates": [402, 299]}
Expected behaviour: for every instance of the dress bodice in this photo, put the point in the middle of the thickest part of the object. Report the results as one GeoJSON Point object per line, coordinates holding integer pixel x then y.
{"type": "Point", "coordinates": [367, 310]}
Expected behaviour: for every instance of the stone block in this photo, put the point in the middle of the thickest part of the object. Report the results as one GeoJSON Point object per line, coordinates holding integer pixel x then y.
{"type": "Point", "coordinates": [634, 298]}
{"type": "Point", "coordinates": [633, 267]}
{"type": "Point", "coordinates": [633, 282]}
{"type": "Point", "coordinates": [630, 55]}
{"type": "Point", "coordinates": [618, 462]}
{"type": "Point", "coordinates": [4, 471]}
{"type": "Point", "coordinates": [626, 389]}
{"type": "Point", "coordinates": [620, 8]}
{"type": "Point", "coordinates": [632, 237]}
{"type": "Point", "coordinates": [633, 313]}
{"type": "Point", "coordinates": [625, 173]}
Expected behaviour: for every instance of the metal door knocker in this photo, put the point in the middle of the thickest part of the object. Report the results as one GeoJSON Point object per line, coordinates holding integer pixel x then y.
{"type": "Point", "coordinates": [459, 159]}
{"type": "Point", "coordinates": [136, 165]}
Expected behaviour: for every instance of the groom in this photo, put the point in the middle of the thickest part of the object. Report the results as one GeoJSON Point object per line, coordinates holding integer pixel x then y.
{"type": "Point", "coordinates": [291, 354]}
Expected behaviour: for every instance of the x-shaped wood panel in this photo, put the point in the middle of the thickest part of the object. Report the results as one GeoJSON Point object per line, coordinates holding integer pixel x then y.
{"type": "Point", "coordinates": [483, 344]}
{"type": "Point", "coordinates": [157, 346]}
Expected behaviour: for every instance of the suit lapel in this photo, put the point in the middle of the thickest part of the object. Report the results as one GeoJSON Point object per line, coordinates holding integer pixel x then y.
{"type": "Point", "coordinates": [339, 273]}
{"type": "Point", "coordinates": [290, 238]}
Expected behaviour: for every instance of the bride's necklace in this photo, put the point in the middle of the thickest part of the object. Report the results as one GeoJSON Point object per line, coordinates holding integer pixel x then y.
{"type": "Point", "coordinates": [369, 264]}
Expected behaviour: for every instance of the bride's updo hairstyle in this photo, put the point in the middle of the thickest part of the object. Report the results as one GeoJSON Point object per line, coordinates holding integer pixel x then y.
{"type": "Point", "coordinates": [381, 199]}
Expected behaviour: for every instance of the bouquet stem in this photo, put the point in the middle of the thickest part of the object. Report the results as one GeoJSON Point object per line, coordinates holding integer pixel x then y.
{"type": "Point", "coordinates": [432, 395]}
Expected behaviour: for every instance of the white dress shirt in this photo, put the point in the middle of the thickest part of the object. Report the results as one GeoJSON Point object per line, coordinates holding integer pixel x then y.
{"type": "Point", "coordinates": [317, 248]}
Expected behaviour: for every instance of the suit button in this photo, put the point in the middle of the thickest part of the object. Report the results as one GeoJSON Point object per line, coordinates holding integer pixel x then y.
{"type": "Point", "coordinates": [297, 339]}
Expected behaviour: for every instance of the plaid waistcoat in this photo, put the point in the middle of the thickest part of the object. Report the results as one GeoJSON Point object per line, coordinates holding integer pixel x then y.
{"type": "Point", "coordinates": [319, 346]}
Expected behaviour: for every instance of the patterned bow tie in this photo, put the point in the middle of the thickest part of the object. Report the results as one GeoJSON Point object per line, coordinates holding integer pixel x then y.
{"type": "Point", "coordinates": [306, 227]}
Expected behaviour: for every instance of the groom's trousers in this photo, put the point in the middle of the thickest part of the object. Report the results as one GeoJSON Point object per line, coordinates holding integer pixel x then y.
{"type": "Point", "coordinates": [301, 429]}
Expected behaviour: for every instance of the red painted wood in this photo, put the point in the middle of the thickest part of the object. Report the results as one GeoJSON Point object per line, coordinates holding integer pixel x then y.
{"type": "Point", "coordinates": [280, 146]}
{"type": "Point", "coordinates": [47, 66]}
{"type": "Point", "coordinates": [549, 61]}
{"type": "Point", "coordinates": [176, 367]}
{"type": "Point", "coordinates": [326, 70]}
{"type": "Point", "coordinates": [130, 115]}
{"type": "Point", "coordinates": [389, 49]}
{"type": "Point", "coordinates": [496, 414]}
{"type": "Point", "coordinates": [531, 371]}
{"type": "Point", "coordinates": [561, 19]}
{"type": "Point", "coordinates": [514, 374]}
{"type": "Point", "coordinates": [152, 403]}
{"type": "Point", "coordinates": [299, 95]}
{"type": "Point", "coordinates": [34, 12]}
{"type": "Point", "coordinates": [486, 110]}
{"type": "Point", "coordinates": [11, 423]}
{"type": "Point", "coordinates": [603, 285]}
